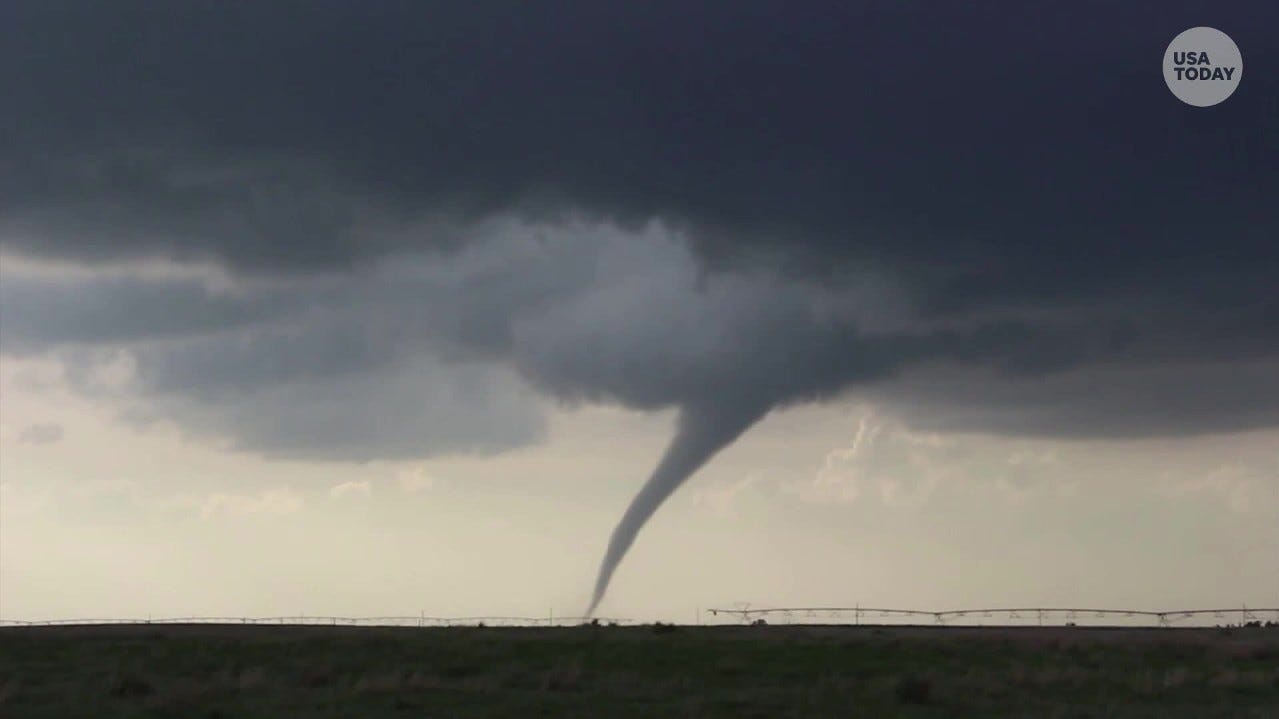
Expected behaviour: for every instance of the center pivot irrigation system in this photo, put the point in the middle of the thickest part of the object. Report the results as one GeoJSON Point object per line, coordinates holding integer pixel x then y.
{"type": "Point", "coordinates": [1041, 615]}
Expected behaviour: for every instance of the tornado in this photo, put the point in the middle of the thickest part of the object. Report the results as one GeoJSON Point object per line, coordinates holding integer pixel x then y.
{"type": "Point", "coordinates": [701, 432]}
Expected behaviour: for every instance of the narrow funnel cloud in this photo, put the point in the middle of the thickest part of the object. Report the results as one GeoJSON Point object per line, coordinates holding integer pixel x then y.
{"type": "Point", "coordinates": [702, 431]}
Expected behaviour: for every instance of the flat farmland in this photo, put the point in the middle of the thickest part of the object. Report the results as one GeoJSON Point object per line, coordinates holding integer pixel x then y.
{"type": "Point", "coordinates": [225, 671]}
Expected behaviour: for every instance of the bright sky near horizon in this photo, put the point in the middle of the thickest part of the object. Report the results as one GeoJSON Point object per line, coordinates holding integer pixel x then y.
{"type": "Point", "coordinates": [113, 520]}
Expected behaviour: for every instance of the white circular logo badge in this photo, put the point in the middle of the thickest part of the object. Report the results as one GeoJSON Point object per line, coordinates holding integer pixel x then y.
{"type": "Point", "coordinates": [1202, 66]}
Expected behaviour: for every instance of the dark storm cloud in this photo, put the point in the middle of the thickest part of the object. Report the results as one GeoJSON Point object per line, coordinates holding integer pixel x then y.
{"type": "Point", "coordinates": [1114, 400]}
{"type": "Point", "coordinates": [112, 202]}
{"type": "Point", "coordinates": [44, 309]}
{"type": "Point", "coordinates": [412, 357]}
{"type": "Point", "coordinates": [412, 409]}
{"type": "Point", "coordinates": [873, 195]}
{"type": "Point", "coordinates": [1016, 152]}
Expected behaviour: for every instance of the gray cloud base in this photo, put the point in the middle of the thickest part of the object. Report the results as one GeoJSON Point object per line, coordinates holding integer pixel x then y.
{"type": "Point", "coordinates": [440, 352]}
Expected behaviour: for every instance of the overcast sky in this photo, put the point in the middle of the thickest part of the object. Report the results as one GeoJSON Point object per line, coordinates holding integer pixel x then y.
{"type": "Point", "coordinates": [363, 309]}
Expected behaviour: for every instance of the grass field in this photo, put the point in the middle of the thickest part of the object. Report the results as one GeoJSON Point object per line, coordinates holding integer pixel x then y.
{"type": "Point", "coordinates": [207, 671]}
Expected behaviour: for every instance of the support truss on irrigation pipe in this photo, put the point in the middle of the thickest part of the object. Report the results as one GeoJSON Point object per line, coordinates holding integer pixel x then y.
{"type": "Point", "coordinates": [1042, 615]}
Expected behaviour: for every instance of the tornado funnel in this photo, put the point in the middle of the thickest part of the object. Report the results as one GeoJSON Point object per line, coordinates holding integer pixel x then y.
{"type": "Point", "coordinates": [701, 432]}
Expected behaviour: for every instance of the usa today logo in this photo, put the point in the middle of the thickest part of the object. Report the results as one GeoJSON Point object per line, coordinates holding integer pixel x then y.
{"type": "Point", "coordinates": [1202, 66]}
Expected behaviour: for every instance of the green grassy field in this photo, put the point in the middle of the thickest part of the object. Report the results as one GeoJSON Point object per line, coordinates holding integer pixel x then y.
{"type": "Point", "coordinates": [811, 671]}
